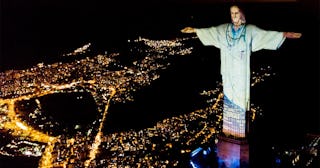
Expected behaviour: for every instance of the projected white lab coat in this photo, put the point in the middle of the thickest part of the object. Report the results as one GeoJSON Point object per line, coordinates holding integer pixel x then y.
{"type": "Point", "coordinates": [235, 50]}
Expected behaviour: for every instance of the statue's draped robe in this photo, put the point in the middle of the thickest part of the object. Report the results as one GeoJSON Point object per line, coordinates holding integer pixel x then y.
{"type": "Point", "coordinates": [235, 50]}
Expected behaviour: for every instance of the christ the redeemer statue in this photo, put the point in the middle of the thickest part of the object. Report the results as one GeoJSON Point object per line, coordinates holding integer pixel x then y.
{"type": "Point", "coordinates": [236, 41]}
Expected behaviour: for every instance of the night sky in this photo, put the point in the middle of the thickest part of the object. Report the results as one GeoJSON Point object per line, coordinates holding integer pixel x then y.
{"type": "Point", "coordinates": [34, 29]}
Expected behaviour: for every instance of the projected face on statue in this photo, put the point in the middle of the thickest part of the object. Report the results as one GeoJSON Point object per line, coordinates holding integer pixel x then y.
{"type": "Point", "coordinates": [237, 16]}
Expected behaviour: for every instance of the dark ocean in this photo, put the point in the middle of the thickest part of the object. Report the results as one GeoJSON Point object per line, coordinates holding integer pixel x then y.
{"type": "Point", "coordinates": [38, 31]}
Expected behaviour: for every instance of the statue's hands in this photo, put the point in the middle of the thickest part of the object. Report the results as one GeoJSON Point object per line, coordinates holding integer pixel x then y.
{"type": "Point", "coordinates": [292, 35]}
{"type": "Point", "coordinates": [188, 30]}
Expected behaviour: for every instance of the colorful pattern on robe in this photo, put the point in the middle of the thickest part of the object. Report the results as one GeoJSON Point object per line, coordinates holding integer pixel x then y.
{"type": "Point", "coordinates": [235, 50]}
{"type": "Point", "coordinates": [234, 119]}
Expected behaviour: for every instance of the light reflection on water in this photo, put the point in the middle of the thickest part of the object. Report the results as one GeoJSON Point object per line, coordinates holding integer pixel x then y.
{"type": "Point", "coordinates": [168, 143]}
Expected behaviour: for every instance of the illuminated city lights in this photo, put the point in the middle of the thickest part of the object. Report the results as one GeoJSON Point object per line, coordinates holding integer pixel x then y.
{"type": "Point", "coordinates": [108, 81]}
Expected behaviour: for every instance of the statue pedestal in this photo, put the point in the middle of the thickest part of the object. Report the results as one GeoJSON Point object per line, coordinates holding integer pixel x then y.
{"type": "Point", "coordinates": [232, 153]}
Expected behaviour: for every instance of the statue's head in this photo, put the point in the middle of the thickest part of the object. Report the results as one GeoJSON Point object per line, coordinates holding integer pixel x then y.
{"type": "Point", "coordinates": [237, 15]}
